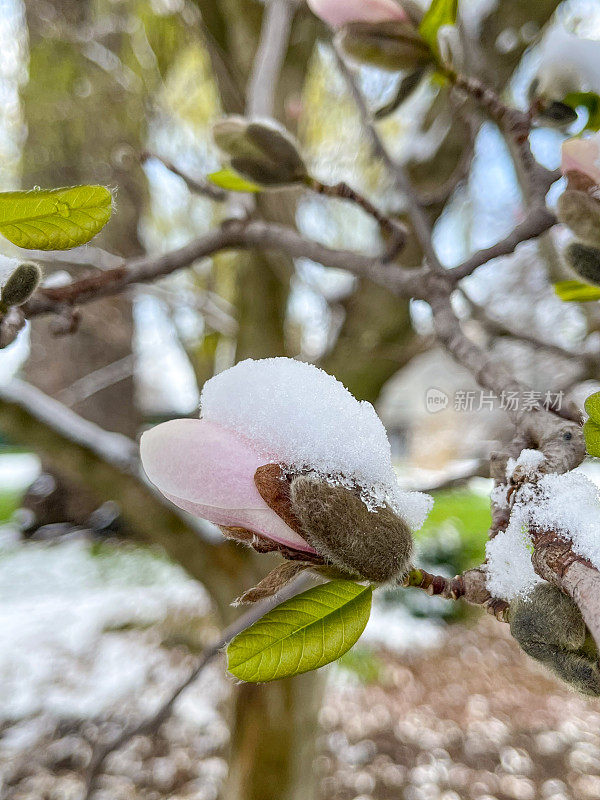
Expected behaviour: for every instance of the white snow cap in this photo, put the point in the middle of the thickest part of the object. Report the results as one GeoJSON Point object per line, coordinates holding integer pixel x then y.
{"type": "Point", "coordinates": [568, 63]}
{"type": "Point", "coordinates": [528, 462]}
{"type": "Point", "coordinates": [568, 504]}
{"type": "Point", "coordinates": [297, 415]}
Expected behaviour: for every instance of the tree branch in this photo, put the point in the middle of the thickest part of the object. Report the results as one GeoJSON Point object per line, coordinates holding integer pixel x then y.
{"type": "Point", "coordinates": [234, 234]}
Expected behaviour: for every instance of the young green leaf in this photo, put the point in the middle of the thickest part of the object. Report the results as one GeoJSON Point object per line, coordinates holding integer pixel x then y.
{"type": "Point", "coordinates": [591, 102]}
{"type": "Point", "coordinates": [54, 219]}
{"type": "Point", "coordinates": [592, 407]}
{"type": "Point", "coordinates": [230, 180]}
{"type": "Point", "coordinates": [440, 12]}
{"type": "Point", "coordinates": [591, 433]}
{"type": "Point", "coordinates": [302, 634]}
{"type": "Point", "coordinates": [576, 291]}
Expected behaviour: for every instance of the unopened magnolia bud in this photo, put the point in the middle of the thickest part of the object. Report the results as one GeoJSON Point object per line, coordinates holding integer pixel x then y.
{"type": "Point", "coordinates": [375, 545]}
{"type": "Point", "coordinates": [580, 212]}
{"type": "Point", "coordinates": [21, 285]}
{"type": "Point", "coordinates": [555, 113]}
{"type": "Point", "coordinates": [260, 151]}
{"type": "Point", "coordinates": [550, 628]}
{"type": "Point", "coordinates": [392, 46]}
{"type": "Point", "coordinates": [585, 261]}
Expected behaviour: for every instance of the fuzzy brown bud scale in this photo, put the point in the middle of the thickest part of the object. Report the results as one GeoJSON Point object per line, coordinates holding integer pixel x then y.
{"type": "Point", "coordinates": [392, 45]}
{"type": "Point", "coordinates": [21, 284]}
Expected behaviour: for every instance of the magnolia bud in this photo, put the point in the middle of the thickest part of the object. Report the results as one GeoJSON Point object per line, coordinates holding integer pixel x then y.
{"type": "Point", "coordinates": [392, 46]}
{"type": "Point", "coordinates": [580, 212]}
{"type": "Point", "coordinates": [555, 113]}
{"type": "Point", "coordinates": [261, 151]}
{"type": "Point", "coordinates": [550, 628]}
{"type": "Point", "coordinates": [450, 47]}
{"type": "Point", "coordinates": [375, 545]}
{"type": "Point", "coordinates": [585, 261]}
{"type": "Point", "coordinates": [21, 285]}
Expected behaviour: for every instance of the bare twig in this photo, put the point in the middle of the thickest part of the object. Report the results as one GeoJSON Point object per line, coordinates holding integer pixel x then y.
{"type": "Point", "coordinates": [395, 230]}
{"type": "Point", "coordinates": [268, 61]}
{"type": "Point", "coordinates": [417, 214]}
{"type": "Point", "coordinates": [195, 185]}
{"type": "Point", "coordinates": [470, 586]}
{"type": "Point", "coordinates": [537, 222]}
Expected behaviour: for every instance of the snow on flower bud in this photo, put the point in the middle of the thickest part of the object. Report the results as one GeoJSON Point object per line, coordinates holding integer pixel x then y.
{"type": "Point", "coordinates": [262, 151]}
{"type": "Point", "coordinates": [393, 46]}
{"type": "Point", "coordinates": [21, 284]}
{"type": "Point", "coordinates": [338, 13]}
{"type": "Point", "coordinates": [585, 261]}
{"type": "Point", "coordinates": [285, 453]}
{"type": "Point", "coordinates": [582, 156]}
{"type": "Point", "coordinates": [580, 212]}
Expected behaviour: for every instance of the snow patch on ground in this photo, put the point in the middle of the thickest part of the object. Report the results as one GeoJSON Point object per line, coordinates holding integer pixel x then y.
{"type": "Point", "coordinates": [301, 417]}
{"type": "Point", "coordinates": [568, 504]}
{"type": "Point", "coordinates": [66, 619]}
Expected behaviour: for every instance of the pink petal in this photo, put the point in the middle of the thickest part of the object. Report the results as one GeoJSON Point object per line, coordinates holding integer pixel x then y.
{"type": "Point", "coordinates": [209, 472]}
{"type": "Point", "coordinates": [582, 155]}
{"type": "Point", "coordinates": [337, 13]}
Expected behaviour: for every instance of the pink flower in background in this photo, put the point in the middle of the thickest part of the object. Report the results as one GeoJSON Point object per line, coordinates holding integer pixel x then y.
{"type": "Point", "coordinates": [338, 13]}
{"type": "Point", "coordinates": [583, 156]}
{"type": "Point", "coordinates": [209, 471]}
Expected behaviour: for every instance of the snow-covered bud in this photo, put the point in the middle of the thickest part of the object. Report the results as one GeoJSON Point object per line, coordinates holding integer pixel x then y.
{"type": "Point", "coordinates": [20, 285]}
{"type": "Point", "coordinates": [580, 212]}
{"type": "Point", "coordinates": [585, 261]}
{"type": "Point", "coordinates": [262, 151]}
{"type": "Point", "coordinates": [392, 46]}
{"type": "Point", "coordinates": [582, 156]}
{"type": "Point", "coordinates": [284, 458]}
{"type": "Point", "coordinates": [337, 13]}
{"type": "Point", "coordinates": [567, 64]}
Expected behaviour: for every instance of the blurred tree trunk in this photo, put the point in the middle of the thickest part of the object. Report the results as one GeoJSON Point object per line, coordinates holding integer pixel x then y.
{"type": "Point", "coordinates": [83, 118]}
{"type": "Point", "coordinates": [274, 725]}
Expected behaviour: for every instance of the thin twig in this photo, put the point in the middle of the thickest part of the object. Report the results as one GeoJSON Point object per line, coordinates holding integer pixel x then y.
{"type": "Point", "coordinates": [155, 720]}
{"type": "Point", "coordinates": [395, 230]}
{"type": "Point", "coordinates": [195, 185]}
{"type": "Point", "coordinates": [416, 213]}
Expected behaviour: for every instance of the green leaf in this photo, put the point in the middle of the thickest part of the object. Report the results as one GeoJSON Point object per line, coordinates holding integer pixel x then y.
{"type": "Point", "coordinates": [230, 180]}
{"type": "Point", "coordinates": [591, 102]}
{"type": "Point", "coordinates": [576, 291]}
{"type": "Point", "coordinates": [440, 12]}
{"type": "Point", "coordinates": [54, 219]}
{"type": "Point", "coordinates": [592, 407]}
{"type": "Point", "coordinates": [304, 633]}
{"type": "Point", "coordinates": [591, 433]}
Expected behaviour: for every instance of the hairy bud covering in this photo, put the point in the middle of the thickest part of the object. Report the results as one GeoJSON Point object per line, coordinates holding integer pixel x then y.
{"type": "Point", "coordinates": [375, 545]}
{"type": "Point", "coordinates": [555, 114]}
{"type": "Point", "coordinates": [260, 151]}
{"type": "Point", "coordinates": [549, 627]}
{"type": "Point", "coordinates": [21, 285]}
{"type": "Point", "coordinates": [580, 212]}
{"type": "Point", "coordinates": [393, 46]}
{"type": "Point", "coordinates": [585, 261]}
